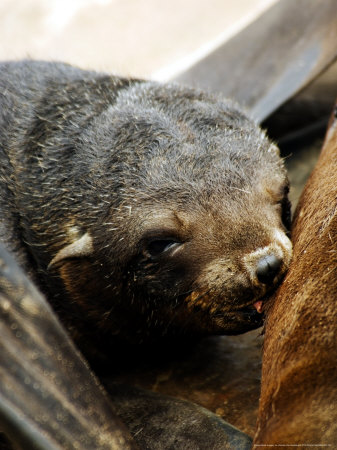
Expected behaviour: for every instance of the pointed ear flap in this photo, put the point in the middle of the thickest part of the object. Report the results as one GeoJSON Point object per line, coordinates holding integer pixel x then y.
{"type": "Point", "coordinates": [80, 247]}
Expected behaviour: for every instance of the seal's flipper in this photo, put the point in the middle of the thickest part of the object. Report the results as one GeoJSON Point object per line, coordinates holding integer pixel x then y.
{"type": "Point", "coordinates": [48, 396]}
{"type": "Point", "coordinates": [173, 423]}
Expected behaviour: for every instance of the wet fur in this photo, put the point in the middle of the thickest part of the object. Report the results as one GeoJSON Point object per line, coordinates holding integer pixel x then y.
{"type": "Point", "coordinates": [299, 391]}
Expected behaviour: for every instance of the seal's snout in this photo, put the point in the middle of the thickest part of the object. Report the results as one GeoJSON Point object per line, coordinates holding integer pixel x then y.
{"type": "Point", "coordinates": [267, 268]}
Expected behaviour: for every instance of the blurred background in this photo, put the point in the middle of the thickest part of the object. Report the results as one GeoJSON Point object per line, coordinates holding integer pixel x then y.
{"type": "Point", "coordinates": [144, 38]}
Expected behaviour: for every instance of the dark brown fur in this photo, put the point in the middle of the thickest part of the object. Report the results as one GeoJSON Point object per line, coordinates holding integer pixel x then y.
{"type": "Point", "coordinates": [139, 209]}
{"type": "Point", "coordinates": [298, 404]}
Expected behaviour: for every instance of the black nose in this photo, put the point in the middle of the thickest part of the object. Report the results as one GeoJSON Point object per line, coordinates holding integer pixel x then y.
{"type": "Point", "coordinates": [267, 268]}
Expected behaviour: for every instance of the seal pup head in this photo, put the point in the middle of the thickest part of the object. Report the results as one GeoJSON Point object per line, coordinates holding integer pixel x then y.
{"type": "Point", "coordinates": [192, 229]}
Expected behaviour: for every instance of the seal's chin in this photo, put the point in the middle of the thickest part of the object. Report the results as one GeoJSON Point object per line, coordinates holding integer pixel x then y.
{"type": "Point", "coordinates": [201, 313]}
{"type": "Point", "coordinates": [241, 320]}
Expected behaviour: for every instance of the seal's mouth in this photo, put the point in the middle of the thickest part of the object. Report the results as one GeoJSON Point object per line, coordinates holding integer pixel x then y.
{"type": "Point", "coordinates": [248, 317]}
{"type": "Point", "coordinates": [226, 318]}
{"type": "Point", "coordinates": [258, 306]}
{"type": "Point", "coordinates": [240, 320]}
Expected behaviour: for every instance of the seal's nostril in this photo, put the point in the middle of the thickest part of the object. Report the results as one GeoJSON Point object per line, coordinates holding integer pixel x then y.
{"type": "Point", "coordinates": [267, 268]}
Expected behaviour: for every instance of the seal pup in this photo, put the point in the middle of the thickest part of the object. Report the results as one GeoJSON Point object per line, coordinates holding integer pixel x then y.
{"type": "Point", "coordinates": [139, 209]}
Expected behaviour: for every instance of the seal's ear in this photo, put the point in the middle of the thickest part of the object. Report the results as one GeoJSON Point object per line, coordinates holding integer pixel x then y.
{"type": "Point", "coordinates": [78, 248]}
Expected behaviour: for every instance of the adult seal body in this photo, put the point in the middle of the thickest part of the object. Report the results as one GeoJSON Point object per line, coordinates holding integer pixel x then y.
{"type": "Point", "coordinates": [139, 209]}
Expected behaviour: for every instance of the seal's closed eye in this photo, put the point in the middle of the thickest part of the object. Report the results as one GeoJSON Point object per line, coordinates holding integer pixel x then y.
{"type": "Point", "coordinates": [284, 206]}
{"type": "Point", "coordinates": [286, 211]}
{"type": "Point", "coordinates": [157, 247]}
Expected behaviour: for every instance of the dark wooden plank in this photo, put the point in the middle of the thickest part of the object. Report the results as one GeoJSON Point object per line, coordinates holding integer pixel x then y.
{"type": "Point", "coordinates": [273, 58]}
{"type": "Point", "coordinates": [48, 396]}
